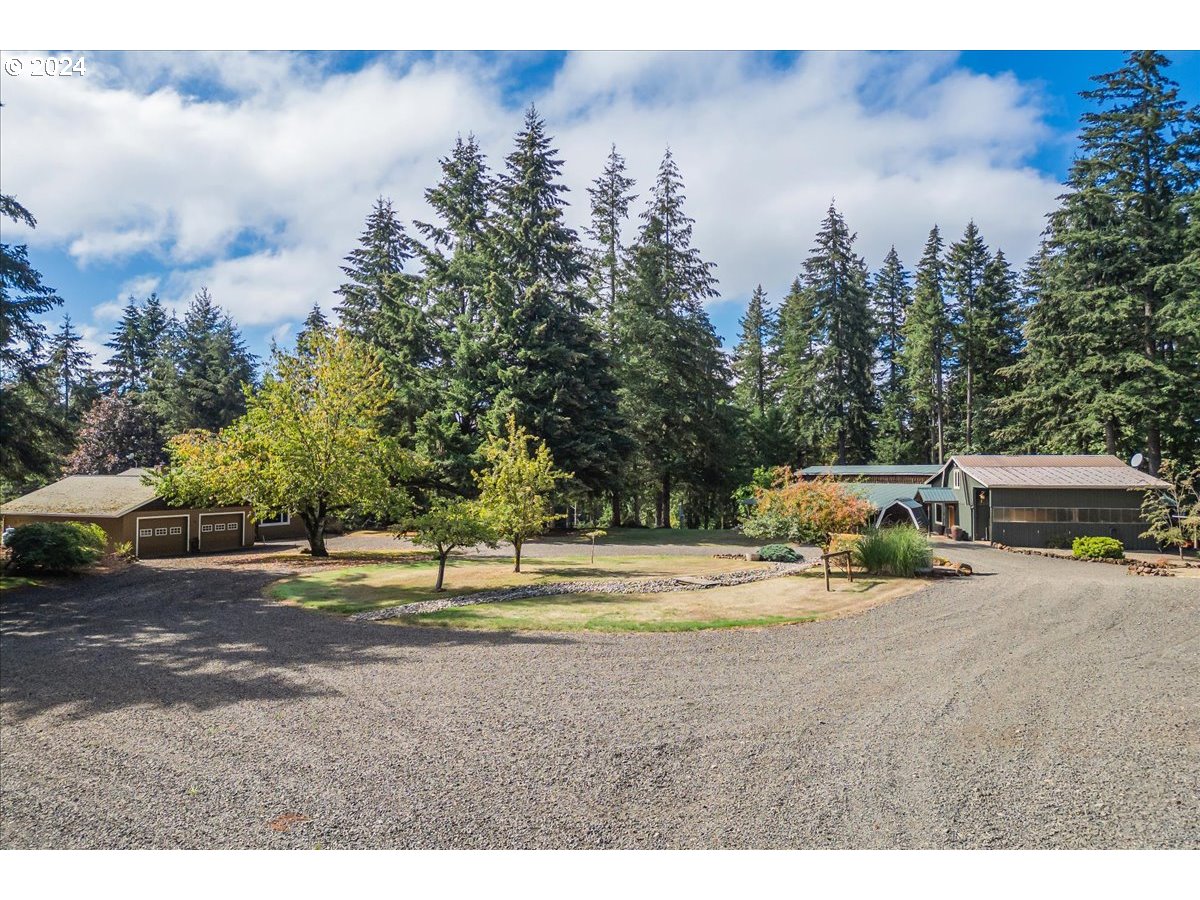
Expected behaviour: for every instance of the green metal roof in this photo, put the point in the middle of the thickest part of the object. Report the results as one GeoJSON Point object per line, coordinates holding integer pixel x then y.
{"type": "Point", "coordinates": [929, 494]}
{"type": "Point", "coordinates": [923, 469]}
{"type": "Point", "coordinates": [881, 494]}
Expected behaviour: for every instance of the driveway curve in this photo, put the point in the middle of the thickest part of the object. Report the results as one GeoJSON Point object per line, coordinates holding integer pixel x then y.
{"type": "Point", "coordinates": [1039, 704]}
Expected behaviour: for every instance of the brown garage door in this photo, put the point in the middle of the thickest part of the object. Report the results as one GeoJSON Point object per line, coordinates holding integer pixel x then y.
{"type": "Point", "coordinates": [165, 536]}
{"type": "Point", "coordinates": [220, 531]}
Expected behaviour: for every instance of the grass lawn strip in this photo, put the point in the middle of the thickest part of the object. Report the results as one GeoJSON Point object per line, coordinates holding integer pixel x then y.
{"type": "Point", "coordinates": [665, 584]}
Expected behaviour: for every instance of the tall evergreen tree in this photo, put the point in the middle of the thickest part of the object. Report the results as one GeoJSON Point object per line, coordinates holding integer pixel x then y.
{"type": "Point", "coordinates": [797, 352]}
{"type": "Point", "coordinates": [997, 346]}
{"type": "Point", "coordinates": [891, 294]}
{"type": "Point", "coordinates": [835, 278]}
{"type": "Point", "coordinates": [71, 368]}
{"type": "Point", "coordinates": [753, 363]}
{"type": "Point", "coordinates": [381, 305]}
{"type": "Point", "coordinates": [926, 335]}
{"type": "Point", "coordinates": [966, 262]}
{"type": "Point", "coordinates": [125, 370]}
{"type": "Point", "coordinates": [315, 324]}
{"type": "Point", "coordinates": [548, 364]}
{"type": "Point", "coordinates": [29, 426]}
{"type": "Point", "coordinates": [674, 380]}
{"type": "Point", "coordinates": [450, 431]}
{"type": "Point", "coordinates": [211, 366]}
{"type": "Point", "coordinates": [1115, 326]}
{"type": "Point", "coordinates": [611, 196]}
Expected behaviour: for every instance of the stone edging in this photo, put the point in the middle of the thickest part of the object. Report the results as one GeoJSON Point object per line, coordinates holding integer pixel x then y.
{"type": "Point", "coordinates": [662, 585]}
{"type": "Point", "coordinates": [1133, 566]}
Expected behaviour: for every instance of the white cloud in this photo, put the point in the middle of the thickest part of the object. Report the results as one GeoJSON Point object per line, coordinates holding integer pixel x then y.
{"type": "Point", "coordinates": [259, 192]}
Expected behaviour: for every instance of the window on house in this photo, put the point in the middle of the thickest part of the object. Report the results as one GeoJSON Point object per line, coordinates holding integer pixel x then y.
{"type": "Point", "coordinates": [957, 478]}
{"type": "Point", "coordinates": [279, 519]}
{"type": "Point", "coordinates": [145, 532]}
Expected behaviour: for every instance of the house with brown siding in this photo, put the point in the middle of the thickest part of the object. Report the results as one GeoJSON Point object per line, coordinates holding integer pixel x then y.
{"type": "Point", "coordinates": [129, 511]}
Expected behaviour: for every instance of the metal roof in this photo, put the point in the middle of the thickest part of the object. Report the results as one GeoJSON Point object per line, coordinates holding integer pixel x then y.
{"type": "Point", "coordinates": [883, 494]}
{"type": "Point", "coordinates": [923, 469]}
{"type": "Point", "coordinates": [103, 496]}
{"type": "Point", "coordinates": [929, 494]}
{"type": "Point", "coordinates": [1045, 471]}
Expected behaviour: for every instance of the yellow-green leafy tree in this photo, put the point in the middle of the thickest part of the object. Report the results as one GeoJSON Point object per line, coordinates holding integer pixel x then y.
{"type": "Point", "coordinates": [515, 489]}
{"type": "Point", "coordinates": [447, 525]}
{"type": "Point", "coordinates": [310, 442]}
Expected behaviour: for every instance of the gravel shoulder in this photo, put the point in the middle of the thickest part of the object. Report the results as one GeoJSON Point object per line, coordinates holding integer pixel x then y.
{"type": "Point", "coordinates": [1039, 704]}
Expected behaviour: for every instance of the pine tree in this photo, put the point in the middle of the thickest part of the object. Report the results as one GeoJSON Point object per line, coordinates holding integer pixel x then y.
{"type": "Point", "coordinates": [548, 365]}
{"type": "Point", "coordinates": [835, 278]}
{"type": "Point", "coordinates": [799, 372]}
{"type": "Point", "coordinates": [374, 271]}
{"type": "Point", "coordinates": [212, 365]}
{"type": "Point", "coordinates": [891, 294]}
{"type": "Point", "coordinates": [29, 425]}
{"type": "Point", "coordinates": [1115, 330]}
{"type": "Point", "coordinates": [315, 324]}
{"type": "Point", "coordinates": [125, 370]}
{"type": "Point", "coordinates": [966, 262]}
{"type": "Point", "coordinates": [753, 365]}
{"type": "Point", "coordinates": [611, 196]}
{"type": "Point", "coordinates": [674, 381]}
{"type": "Point", "coordinates": [71, 365]}
{"type": "Point", "coordinates": [997, 346]}
{"type": "Point", "coordinates": [449, 432]}
{"type": "Point", "coordinates": [926, 335]}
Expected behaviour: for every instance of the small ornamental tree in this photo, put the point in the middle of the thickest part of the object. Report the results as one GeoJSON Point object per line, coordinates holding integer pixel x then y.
{"type": "Point", "coordinates": [515, 488]}
{"type": "Point", "coordinates": [311, 442]}
{"type": "Point", "coordinates": [806, 512]}
{"type": "Point", "coordinates": [1173, 513]}
{"type": "Point", "coordinates": [118, 432]}
{"type": "Point", "coordinates": [448, 525]}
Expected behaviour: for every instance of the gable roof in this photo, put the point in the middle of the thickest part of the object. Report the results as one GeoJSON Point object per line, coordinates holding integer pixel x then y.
{"type": "Point", "coordinates": [924, 469]}
{"type": "Point", "coordinates": [103, 496]}
{"type": "Point", "coordinates": [1047, 471]}
{"type": "Point", "coordinates": [882, 494]}
{"type": "Point", "coordinates": [928, 494]}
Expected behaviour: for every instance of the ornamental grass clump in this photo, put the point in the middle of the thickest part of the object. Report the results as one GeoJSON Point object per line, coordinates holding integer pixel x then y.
{"type": "Point", "coordinates": [898, 550]}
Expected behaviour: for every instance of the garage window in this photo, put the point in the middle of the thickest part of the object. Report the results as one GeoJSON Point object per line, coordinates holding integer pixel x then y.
{"type": "Point", "coordinates": [177, 530]}
{"type": "Point", "coordinates": [159, 532]}
{"type": "Point", "coordinates": [146, 532]}
{"type": "Point", "coordinates": [206, 528]}
{"type": "Point", "coordinates": [220, 526]}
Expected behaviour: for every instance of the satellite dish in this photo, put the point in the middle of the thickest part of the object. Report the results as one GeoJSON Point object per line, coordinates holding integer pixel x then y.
{"type": "Point", "coordinates": [1136, 461]}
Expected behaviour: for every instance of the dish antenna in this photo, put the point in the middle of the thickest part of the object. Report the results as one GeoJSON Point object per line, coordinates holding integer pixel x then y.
{"type": "Point", "coordinates": [1136, 461]}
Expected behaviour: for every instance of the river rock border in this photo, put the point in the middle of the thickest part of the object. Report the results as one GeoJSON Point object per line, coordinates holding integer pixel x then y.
{"type": "Point", "coordinates": [1133, 566]}
{"type": "Point", "coordinates": [663, 585]}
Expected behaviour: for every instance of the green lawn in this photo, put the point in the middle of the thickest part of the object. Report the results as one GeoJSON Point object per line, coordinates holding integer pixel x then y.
{"type": "Point", "coordinates": [776, 601]}
{"type": "Point", "coordinates": [359, 588]}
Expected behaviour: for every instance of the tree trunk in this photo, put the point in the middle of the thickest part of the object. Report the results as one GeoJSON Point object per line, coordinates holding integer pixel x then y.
{"type": "Point", "coordinates": [517, 555]}
{"type": "Point", "coordinates": [666, 499]}
{"type": "Point", "coordinates": [314, 527]}
{"type": "Point", "coordinates": [637, 508]}
{"type": "Point", "coordinates": [616, 509]}
{"type": "Point", "coordinates": [442, 554]}
{"type": "Point", "coordinates": [1110, 437]}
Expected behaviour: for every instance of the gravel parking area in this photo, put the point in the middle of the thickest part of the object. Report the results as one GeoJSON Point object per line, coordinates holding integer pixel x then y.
{"type": "Point", "coordinates": [1039, 704]}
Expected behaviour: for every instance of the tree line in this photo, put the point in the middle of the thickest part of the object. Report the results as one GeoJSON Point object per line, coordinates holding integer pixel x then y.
{"type": "Point", "coordinates": [600, 343]}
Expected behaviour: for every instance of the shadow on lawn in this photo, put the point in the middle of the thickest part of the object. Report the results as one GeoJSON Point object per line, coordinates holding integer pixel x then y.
{"type": "Point", "coordinates": [203, 637]}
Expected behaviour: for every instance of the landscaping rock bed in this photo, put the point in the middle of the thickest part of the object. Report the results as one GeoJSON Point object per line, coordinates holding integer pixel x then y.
{"type": "Point", "coordinates": [661, 585]}
{"type": "Point", "coordinates": [1134, 567]}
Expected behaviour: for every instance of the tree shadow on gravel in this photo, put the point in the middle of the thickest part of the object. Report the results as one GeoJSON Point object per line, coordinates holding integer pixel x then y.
{"type": "Point", "coordinates": [194, 636]}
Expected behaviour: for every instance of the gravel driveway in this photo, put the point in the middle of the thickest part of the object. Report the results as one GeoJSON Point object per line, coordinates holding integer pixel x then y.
{"type": "Point", "coordinates": [1041, 704]}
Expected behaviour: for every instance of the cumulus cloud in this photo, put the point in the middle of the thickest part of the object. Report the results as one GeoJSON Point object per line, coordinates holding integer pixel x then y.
{"type": "Point", "coordinates": [252, 173]}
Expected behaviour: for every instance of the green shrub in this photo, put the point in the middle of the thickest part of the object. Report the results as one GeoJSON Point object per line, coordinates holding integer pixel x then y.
{"type": "Point", "coordinates": [896, 550]}
{"type": "Point", "coordinates": [1058, 542]}
{"type": "Point", "coordinates": [56, 546]}
{"type": "Point", "coordinates": [124, 550]}
{"type": "Point", "coordinates": [1097, 548]}
{"type": "Point", "coordinates": [779, 553]}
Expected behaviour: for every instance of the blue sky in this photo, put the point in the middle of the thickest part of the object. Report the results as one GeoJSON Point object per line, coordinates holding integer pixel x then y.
{"type": "Point", "coordinates": [251, 173]}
